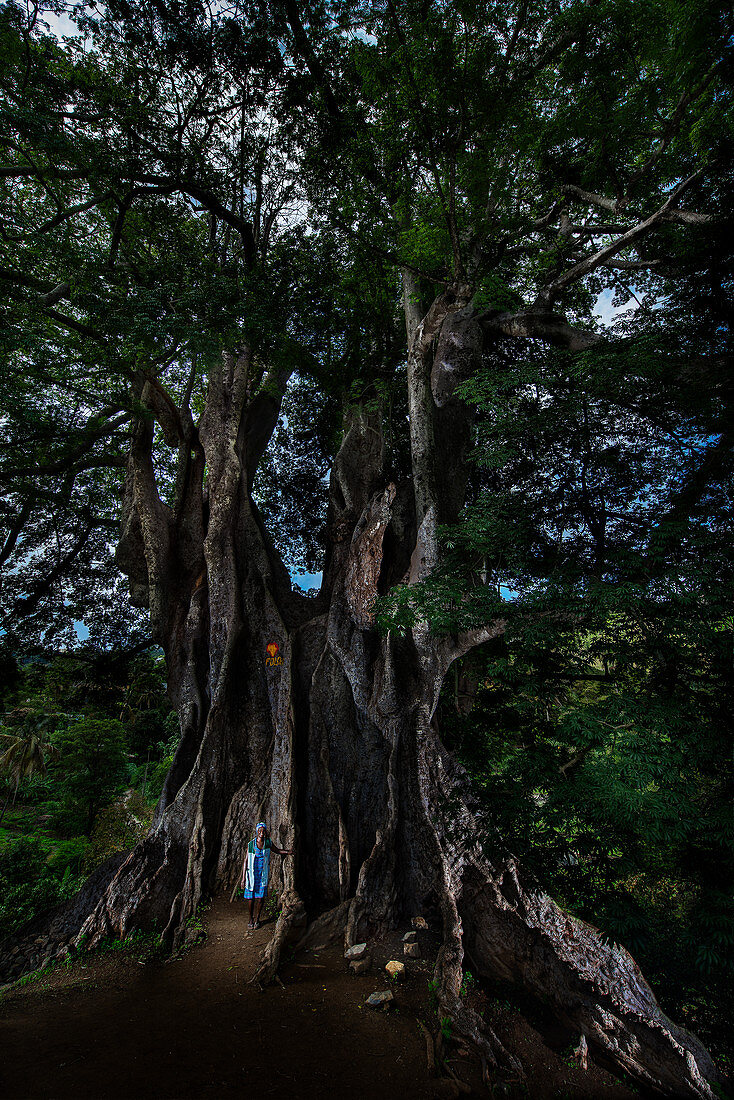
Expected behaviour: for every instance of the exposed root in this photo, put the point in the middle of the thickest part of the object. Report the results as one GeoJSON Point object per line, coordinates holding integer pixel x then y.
{"type": "Point", "coordinates": [376, 892]}
{"type": "Point", "coordinates": [595, 988]}
{"type": "Point", "coordinates": [448, 976]}
{"type": "Point", "coordinates": [448, 973]}
{"type": "Point", "coordinates": [518, 933]}
{"type": "Point", "coordinates": [430, 1049]}
{"type": "Point", "coordinates": [461, 1085]}
{"type": "Point", "coordinates": [581, 1053]}
{"type": "Point", "coordinates": [266, 973]}
{"type": "Point", "coordinates": [179, 931]}
{"type": "Point", "coordinates": [354, 915]}
{"type": "Point", "coordinates": [450, 1089]}
{"type": "Point", "coordinates": [326, 928]}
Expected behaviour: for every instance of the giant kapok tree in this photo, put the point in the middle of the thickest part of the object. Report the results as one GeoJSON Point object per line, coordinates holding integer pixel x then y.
{"type": "Point", "coordinates": [348, 212]}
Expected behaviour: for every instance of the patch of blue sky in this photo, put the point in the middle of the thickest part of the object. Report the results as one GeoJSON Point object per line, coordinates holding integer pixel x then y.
{"type": "Point", "coordinates": [60, 24]}
{"type": "Point", "coordinates": [306, 581]}
{"type": "Point", "coordinates": [607, 312]}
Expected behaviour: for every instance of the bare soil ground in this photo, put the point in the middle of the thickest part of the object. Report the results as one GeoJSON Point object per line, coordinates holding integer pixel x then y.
{"type": "Point", "coordinates": [115, 1026]}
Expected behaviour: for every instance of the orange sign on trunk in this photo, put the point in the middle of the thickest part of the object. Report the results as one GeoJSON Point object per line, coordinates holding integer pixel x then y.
{"type": "Point", "coordinates": [273, 657]}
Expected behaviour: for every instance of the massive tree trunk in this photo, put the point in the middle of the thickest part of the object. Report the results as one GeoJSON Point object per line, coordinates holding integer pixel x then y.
{"type": "Point", "coordinates": [334, 743]}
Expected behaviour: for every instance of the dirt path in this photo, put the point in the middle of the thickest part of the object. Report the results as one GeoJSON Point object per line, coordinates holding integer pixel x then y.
{"type": "Point", "coordinates": [113, 1027]}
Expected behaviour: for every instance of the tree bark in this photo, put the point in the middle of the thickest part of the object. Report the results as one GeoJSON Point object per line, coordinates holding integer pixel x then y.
{"type": "Point", "coordinates": [336, 746]}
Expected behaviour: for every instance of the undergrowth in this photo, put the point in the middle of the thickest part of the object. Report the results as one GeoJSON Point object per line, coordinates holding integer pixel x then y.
{"type": "Point", "coordinates": [143, 946]}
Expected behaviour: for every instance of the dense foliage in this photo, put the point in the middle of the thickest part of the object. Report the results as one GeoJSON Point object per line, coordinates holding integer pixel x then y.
{"type": "Point", "coordinates": [102, 725]}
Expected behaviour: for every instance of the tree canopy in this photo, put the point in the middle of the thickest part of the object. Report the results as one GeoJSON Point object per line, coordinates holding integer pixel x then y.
{"type": "Point", "coordinates": [465, 267]}
{"type": "Point", "coordinates": [173, 179]}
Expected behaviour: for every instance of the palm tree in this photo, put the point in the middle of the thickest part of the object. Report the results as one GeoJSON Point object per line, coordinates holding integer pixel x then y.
{"type": "Point", "coordinates": [26, 750]}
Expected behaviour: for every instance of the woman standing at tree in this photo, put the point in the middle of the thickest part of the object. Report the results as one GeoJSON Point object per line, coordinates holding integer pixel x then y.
{"type": "Point", "coordinates": [255, 870]}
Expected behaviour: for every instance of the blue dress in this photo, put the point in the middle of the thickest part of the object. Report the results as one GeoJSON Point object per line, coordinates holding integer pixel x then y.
{"type": "Point", "coordinates": [259, 886]}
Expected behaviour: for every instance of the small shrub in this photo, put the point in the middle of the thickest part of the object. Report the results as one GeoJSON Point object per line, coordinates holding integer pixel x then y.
{"type": "Point", "coordinates": [271, 908]}
{"type": "Point", "coordinates": [467, 983]}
